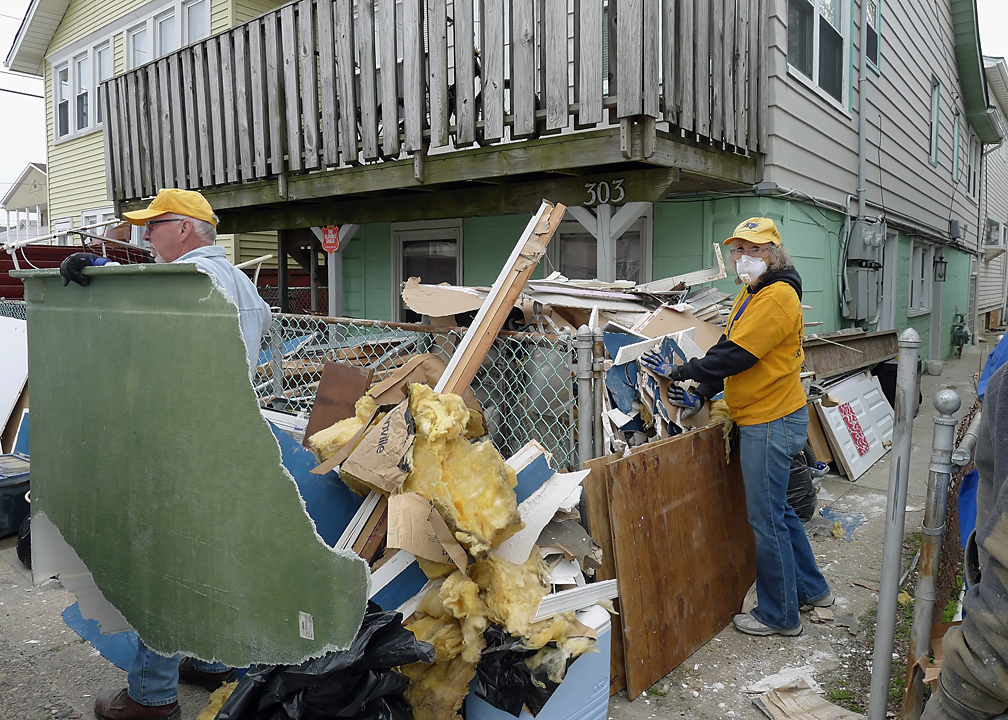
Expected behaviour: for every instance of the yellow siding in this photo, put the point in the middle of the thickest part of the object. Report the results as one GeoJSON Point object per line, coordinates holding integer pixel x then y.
{"type": "Point", "coordinates": [220, 16]}
{"type": "Point", "coordinates": [249, 246]}
{"type": "Point", "coordinates": [118, 56]}
{"type": "Point", "coordinates": [227, 242]}
{"type": "Point", "coordinates": [245, 10]}
{"type": "Point", "coordinates": [85, 16]}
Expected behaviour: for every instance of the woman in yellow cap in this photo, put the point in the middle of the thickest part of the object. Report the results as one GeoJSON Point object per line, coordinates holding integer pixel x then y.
{"type": "Point", "coordinates": [758, 363]}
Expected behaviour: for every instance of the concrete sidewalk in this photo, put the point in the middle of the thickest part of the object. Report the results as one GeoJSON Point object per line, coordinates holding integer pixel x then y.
{"type": "Point", "coordinates": [712, 682]}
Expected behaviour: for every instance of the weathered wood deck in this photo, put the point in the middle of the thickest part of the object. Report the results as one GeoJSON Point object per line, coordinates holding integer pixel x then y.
{"type": "Point", "coordinates": [285, 100]}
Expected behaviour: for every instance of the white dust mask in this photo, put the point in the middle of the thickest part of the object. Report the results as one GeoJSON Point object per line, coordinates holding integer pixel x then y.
{"type": "Point", "coordinates": [750, 269]}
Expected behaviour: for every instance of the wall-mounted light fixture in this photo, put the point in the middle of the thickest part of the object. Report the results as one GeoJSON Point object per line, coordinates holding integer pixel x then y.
{"type": "Point", "coordinates": [940, 265]}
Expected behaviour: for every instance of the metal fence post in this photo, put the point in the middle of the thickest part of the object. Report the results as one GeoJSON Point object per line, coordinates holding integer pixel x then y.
{"type": "Point", "coordinates": [583, 345]}
{"type": "Point", "coordinates": [892, 548]}
{"type": "Point", "coordinates": [947, 403]}
{"type": "Point", "coordinates": [276, 357]}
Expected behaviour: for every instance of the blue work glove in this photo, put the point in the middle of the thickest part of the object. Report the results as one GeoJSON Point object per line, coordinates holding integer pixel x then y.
{"type": "Point", "coordinates": [70, 268]}
{"type": "Point", "coordinates": [691, 403]}
{"type": "Point", "coordinates": [654, 362]}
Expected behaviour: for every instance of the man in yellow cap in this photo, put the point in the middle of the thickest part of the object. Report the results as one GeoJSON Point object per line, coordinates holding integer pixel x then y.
{"type": "Point", "coordinates": [181, 228]}
{"type": "Point", "coordinates": [758, 363]}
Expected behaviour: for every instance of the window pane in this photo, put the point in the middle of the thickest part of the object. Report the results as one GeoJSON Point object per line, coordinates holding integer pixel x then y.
{"type": "Point", "coordinates": [83, 81]}
{"type": "Point", "coordinates": [628, 257]}
{"type": "Point", "coordinates": [140, 51]}
{"type": "Point", "coordinates": [63, 102]}
{"type": "Point", "coordinates": [104, 63]}
{"type": "Point", "coordinates": [873, 14]}
{"type": "Point", "coordinates": [166, 35]}
{"type": "Point", "coordinates": [800, 36]}
{"type": "Point", "coordinates": [63, 89]}
{"type": "Point", "coordinates": [196, 21]}
{"type": "Point", "coordinates": [872, 46]}
{"type": "Point", "coordinates": [578, 256]}
{"type": "Point", "coordinates": [63, 118]}
{"type": "Point", "coordinates": [82, 111]}
{"type": "Point", "coordinates": [433, 261]}
{"type": "Point", "coordinates": [830, 11]}
{"type": "Point", "coordinates": [830, 59]}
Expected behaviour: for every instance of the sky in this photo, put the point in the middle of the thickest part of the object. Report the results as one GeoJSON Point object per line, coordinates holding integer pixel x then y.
{"type": "Point", "coordinates": [22, 119]}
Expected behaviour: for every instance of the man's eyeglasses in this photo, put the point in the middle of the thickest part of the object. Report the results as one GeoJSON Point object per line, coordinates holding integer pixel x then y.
{"type": "Point", "coordinates": [738, 252]}
{"type": "Point", "coordinates": [150, 223]}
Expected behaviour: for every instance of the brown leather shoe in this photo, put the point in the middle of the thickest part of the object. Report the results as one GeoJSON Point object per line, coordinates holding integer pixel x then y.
{"type": "Point", "coordinates": [118, 705]}
{"type": "Point", "coordinates": [190, 674]}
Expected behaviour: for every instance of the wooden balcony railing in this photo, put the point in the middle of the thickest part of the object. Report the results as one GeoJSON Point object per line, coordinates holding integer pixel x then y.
{"type": "Point", "coordinates": [303, 88]}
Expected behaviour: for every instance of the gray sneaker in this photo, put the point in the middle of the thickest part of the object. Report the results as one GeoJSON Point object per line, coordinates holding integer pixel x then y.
{"type": "Point", "coordinates": [823, 602]}
{"type": "Point", "coordinates": [751, 626]}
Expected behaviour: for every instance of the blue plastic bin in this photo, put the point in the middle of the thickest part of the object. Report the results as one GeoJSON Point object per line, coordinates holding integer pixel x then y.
{"type": "Point", "coordinates": [14, 476]}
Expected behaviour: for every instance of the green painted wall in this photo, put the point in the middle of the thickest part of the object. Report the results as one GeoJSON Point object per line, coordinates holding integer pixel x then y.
{"type": "Point", "coordinates": [367, 273]}
{"type": "Point", "coordinates": [685, 231]}
{"type": "Point", "coordinates": [488, 242]}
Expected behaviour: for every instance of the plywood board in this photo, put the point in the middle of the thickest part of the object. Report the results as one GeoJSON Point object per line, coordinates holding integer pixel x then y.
{"type": "Point", "coordinates": [860, 427]}
{"type": "Point", "coordinates": [596, 497]}
{"type": "Point", "coordinates": [187, 521]}
{"type": "Point", "coordinates": [340, 387]}
{"type": "Point", "coordinates": [817, 439]}
{"type": "Point", "coordinates": [683, 550]}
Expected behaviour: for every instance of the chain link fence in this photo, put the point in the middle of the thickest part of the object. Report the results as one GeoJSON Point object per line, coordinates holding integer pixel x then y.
{"type": "Point", "coordinates": [525, 384]}
{"type": "Point", "coordinates": [299, 298]}
{"type": "Point", "coordinates": [13, 309]}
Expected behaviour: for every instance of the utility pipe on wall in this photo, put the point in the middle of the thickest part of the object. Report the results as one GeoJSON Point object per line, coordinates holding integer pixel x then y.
{"type": "Point", "coordinates": [947, 403]}
{"type": "Point", "coordinates": [583, 345]}
{"type": "Point", "coordinates": [862, 111]}
{"type": "Point", "coordinates": [892, 548]}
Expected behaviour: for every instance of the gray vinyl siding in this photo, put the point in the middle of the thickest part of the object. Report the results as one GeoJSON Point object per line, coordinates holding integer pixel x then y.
{"type": "Point", "coordinates": [991, 275]}
{"type": "Point", "coordinates": [813, 144]}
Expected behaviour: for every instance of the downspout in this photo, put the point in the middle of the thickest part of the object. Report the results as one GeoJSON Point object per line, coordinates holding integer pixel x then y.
{"type": "Point", "coordinates": [862, 111]}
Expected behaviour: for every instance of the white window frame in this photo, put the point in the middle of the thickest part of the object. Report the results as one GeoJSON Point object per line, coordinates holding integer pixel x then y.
{"type": "Point", "coordinates": [96, 74]}
{"type": "Point", "coordinates": [158, 49]}
{"type": "Point", "coordinates": [875, 64]}
{"type": "Point", "coordinates": [422, 230]}
{"type": "Point", "coordinates": [645, 224]}
{"type": "Point", "coordinates": [812, 83]}
{"type": "Point", "coordinates": [177, 10]}
{"type": "Point", "coordinates": [60, 226]}
{"type": "Point", "coordinates": [97, 215]}
{"type": "Point", "coordinates": [998, 236]}
{"type": "Point", "coordinates": [921, 279]}
{"type": "Point", "coordinates": [59, 99]}
{"type": "Point", "coordinates": [935, 128]}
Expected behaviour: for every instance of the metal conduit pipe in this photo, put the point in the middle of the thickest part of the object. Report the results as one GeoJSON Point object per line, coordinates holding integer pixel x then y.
{"type": "Point", "coordinates": [598, 366]}
{"type": "Point", "coordinates": [947, 403]}
{"type": "Point", "coordinates": [892, 548]}
{"type": "Point", "coordinates": [583, 343]}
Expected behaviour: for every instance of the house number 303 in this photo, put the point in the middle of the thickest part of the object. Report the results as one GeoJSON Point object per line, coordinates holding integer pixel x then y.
{"type": "Point", "coordinates": [600, 193]}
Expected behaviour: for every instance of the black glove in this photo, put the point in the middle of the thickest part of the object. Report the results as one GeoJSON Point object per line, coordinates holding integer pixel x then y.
{"type": "Point", "coordinates": [70, 268]}
{"type": "Point", "coordinates": [654, 362]}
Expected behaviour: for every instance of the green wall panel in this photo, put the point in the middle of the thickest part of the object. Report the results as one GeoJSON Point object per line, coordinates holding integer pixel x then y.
{"type": "Point", "coordinates": [367, 273]}
{"type": "Point", "coordinates": [488, 244]}
{"type": "Point", "coordinates": [151, 457]}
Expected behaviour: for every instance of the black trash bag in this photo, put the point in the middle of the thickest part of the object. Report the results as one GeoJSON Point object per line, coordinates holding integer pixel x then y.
{"type": "Point", "coordinates": [24, 543]}
{"type": "Point", "coordinates": [356, 683]}
{"type": "Point", "coordinates": [801, 493]}
{"type": "Point", "coordinates": [502, 678]}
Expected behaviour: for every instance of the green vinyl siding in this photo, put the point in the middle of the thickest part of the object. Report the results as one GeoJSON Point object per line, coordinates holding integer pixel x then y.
{"type": "Point", "coordinates": [367, 273]}
{"type": "Point", "coordinates": [488, 242]}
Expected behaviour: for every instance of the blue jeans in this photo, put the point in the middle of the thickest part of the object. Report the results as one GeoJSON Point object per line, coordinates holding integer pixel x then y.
{"type": "Point", "coordinates": [153, 678]}
{"type": "Point", "coordinates": [787, 576]}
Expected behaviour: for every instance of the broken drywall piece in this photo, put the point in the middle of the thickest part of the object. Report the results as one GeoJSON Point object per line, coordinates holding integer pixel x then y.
{"type": "Point", "coordinates": [575, 599]}
{"type": "Point", "coordinates": [568, 535]}
{"type": "Point", "coordinates": [537, 510]}
{"type": "Point", "coordinates": [681, 341]}
{"type": "Point", "coordinates": [530, 473]}
{"type": "Point", "coordinates": [176, 513]}
{"type": "Point", "coordinates": [13, 364]}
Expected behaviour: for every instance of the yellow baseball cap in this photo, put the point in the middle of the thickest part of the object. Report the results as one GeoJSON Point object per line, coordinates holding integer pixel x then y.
{"type": "Point", "coordinates": [172, 200]}
{"type": "Point", "coordinates": [759, 230]}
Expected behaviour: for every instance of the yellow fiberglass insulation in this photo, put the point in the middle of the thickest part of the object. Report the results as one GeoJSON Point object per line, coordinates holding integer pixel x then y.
{"type": "Point", "coordinates": [512, 594]}
{"type": "Point", "coordinates": [437, 691]}
{"type": "Point", "coordinates": [552, 659]}
{"type": "Point", "coordinates": [326, 443]}
{"type": "Point", "coordinates": [468, 482]}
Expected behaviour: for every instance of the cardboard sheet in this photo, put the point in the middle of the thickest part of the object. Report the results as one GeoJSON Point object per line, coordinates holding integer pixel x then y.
{"type": "Point", "coordinates": [412, 528]}
{"type": "Point", "coordinates": [664, 320]}
{"type": "Point", "coordinates": [378, 459]}
{"type": "Point", "coordinates": [339, 388]}
{"type": "Point", "coordinates": [164, 478]}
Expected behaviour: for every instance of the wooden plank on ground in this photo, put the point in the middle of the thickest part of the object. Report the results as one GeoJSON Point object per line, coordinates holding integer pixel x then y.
{"type": "Point", "coordinates": [414, 77]}
{"type": "Point", "coordinates": [596, 497]}
{"type": "Point", "coordinates": [630, 78]}
{"type": "Point", "coordinates": [346, 86]}
{"type": "Point", "coordinates": [437, 57]}
{"type": "Point", "coordinates": [590, 27]}
{"type": "Point", "coordinates": [365, 35]}
{"type": "Point", "coordinates": [465, 74]}
{"type": "Point", "coordinates": [523, 68]}
{"type": "Point", "coordinates": [683, 548]}
{"type": "Point", "coordinates": [817, 438]}
{"type": "Point", "coordinates": [389, 77]}
{"type": "Point", "coordinates": [529, 249]}
{"type": "Point", "coordinates": [493, 69]}
{"type": "Point", "coordinates": [288, 64]}
{"type": "Point", "coordinates": [554, 44]}
{"type": "Point", "coordinates": [309, 82]}
{"type": "Point", "coordinates": [327, 83]}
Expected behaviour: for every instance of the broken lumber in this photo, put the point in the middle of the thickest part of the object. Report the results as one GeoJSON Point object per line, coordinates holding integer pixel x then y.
{"type": "Point", "coordinates": [529, 249]}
